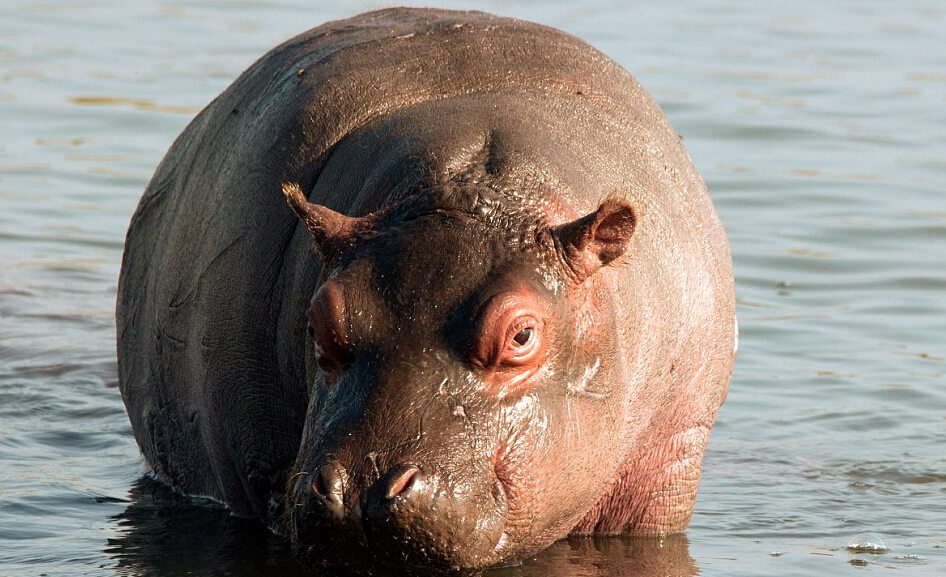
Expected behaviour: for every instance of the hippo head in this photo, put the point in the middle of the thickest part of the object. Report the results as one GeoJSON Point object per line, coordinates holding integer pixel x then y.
{"type": "Point", "coordinates": [466, 408]}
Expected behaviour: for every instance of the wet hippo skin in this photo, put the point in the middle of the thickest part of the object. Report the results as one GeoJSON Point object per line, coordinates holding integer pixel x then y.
{"type": "Point", "coordinates": [497, 309]}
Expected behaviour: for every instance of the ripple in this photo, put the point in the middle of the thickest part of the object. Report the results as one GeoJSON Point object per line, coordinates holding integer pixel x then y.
{"type": "Point", "coordinates": [898, 473]}
{"type": "Point", "coordinates": [143, 104]}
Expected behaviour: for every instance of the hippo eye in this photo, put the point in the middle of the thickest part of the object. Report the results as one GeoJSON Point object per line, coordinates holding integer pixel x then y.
{"type": "Point", "coordinates": [509, 347]}
{"type": "Point", "coordinates": [521, 342]}
{"type": "Point", "coordinates": [523, 336]}
{"type": "Point", "coordinates": [509, 332]}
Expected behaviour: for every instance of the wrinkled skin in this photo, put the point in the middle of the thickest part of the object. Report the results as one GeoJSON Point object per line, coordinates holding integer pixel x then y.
{"type": "Point", "coordinates": [517, 323]}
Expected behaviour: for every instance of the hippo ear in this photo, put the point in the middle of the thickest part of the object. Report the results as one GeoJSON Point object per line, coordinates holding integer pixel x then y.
{"type": "Point", "coordinates": [332, 231]}
{"type": "Point", "coordinates": [596, 239]}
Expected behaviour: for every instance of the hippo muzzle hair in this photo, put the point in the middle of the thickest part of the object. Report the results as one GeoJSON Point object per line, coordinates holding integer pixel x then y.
{"type": "Point", "coordinates": [497, 310]}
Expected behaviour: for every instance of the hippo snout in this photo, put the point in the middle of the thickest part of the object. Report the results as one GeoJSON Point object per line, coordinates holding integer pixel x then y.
{"type": "Point", "coordinates": [403, 482]}
{"type": "Point", "coordinates": [410, 514]}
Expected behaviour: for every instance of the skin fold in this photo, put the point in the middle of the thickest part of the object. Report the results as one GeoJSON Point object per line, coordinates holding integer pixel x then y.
{"type": "Point", "coordinates": [497, 309]}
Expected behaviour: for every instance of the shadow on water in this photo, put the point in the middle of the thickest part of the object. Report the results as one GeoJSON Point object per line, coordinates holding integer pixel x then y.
{"type": "Point", "coordinates": [162, 533]}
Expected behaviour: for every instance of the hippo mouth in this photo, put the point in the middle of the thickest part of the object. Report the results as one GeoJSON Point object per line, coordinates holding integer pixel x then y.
{"type": "Point", "coordinates": [410, 519]}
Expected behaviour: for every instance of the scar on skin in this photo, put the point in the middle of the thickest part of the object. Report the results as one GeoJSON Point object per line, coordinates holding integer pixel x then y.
{"type": "Point", "coordinates": [581, 386]}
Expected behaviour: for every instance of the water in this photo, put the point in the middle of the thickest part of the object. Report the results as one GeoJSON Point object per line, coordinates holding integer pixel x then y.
{"type": "Point", "coordinates": [819, 127]}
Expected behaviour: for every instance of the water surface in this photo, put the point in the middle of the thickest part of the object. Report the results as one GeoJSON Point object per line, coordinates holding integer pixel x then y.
{"type": "Point", "coordinates": [819, 127]}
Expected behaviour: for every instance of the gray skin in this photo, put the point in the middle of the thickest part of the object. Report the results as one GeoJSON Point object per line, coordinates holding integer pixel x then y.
{"type": "Point", "coordinates": [518, 322]}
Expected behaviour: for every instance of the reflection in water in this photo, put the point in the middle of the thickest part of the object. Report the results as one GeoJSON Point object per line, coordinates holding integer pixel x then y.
{"type": "Point", "coordinates": [163, 533]}
{"type": "Point", "coordinates": [616, 556]}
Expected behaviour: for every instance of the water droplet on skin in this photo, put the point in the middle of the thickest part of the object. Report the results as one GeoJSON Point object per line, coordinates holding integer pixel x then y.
{"type": "Point", "coordinates": [867, 543]}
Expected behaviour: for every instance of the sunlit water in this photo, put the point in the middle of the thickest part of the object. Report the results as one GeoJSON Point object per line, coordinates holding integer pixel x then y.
{"type": "Point", "coordinates": [819, 127]}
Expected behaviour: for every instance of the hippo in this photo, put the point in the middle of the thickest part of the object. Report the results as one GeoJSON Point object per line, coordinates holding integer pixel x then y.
{"type": "Point", "coordinates": [431, 288]}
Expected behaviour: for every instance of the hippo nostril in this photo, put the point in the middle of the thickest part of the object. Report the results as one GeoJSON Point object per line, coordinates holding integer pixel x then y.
{"type": "Point", "coordinates": [329, 484]}
{"type": "Point", "coordinates": [319, 485]}
{"type": "Point", "coordinates": [402, 480]}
